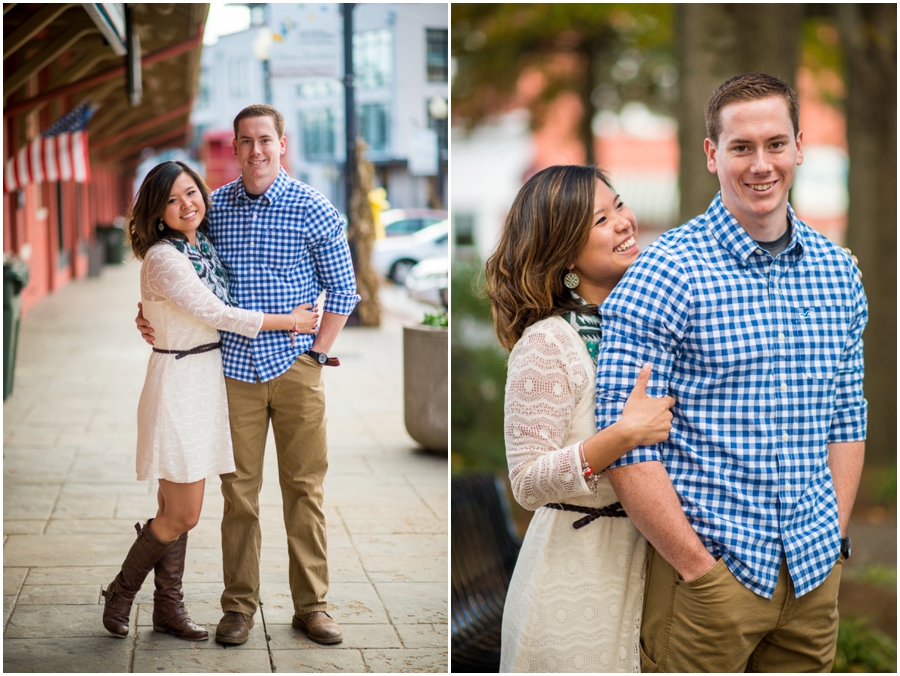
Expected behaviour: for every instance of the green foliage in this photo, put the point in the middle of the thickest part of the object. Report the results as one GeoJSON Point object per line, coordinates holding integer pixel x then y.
{"type": "Point", "coordinates": [436, 319]}
{"type": "Point", "coordinates": [880, 575]}
{"type": "Point", "coordinates": [619, 51]}
{"type": "Point", "coordinates": [479, 377]}
{"type": "Point", "coordinates": [476, 412]}
{"type": "Point", "coordinates": [878, 485]}
{"type": "Point", "coordinates": [861, 648]}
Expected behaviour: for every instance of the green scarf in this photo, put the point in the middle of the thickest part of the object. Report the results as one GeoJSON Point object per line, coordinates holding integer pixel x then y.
{"type": "Point", "coordinates": [208, 265]}
{"type": "Point", "coordinates": [587, 324]}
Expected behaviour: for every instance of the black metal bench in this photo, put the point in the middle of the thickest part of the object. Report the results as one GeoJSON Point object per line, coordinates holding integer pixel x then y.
{"type": "Point", "coordinates": [484, 547]}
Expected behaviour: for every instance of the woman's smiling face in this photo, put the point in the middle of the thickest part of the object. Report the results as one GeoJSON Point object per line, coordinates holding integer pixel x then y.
{"type": "Point", "coordinates": [610, 249]}
{"type": "Point", "coordinates": [185, 208]}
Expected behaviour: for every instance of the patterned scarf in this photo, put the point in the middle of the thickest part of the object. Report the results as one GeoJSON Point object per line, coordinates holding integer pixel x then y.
{"type": "Point", "coordinates": [587, 324]}
{"type": "Point", "coordinates": [208, 266]}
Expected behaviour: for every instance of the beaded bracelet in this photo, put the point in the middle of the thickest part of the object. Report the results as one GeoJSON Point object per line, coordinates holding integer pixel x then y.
{"type": "Point", "coordinates": [586, 470]}
{"type": "Point", "coordinates": [295, 331]}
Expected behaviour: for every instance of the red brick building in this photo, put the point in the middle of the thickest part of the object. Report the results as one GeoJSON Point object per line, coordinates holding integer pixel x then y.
{"type": "Point", "coordinates": [58, 57]}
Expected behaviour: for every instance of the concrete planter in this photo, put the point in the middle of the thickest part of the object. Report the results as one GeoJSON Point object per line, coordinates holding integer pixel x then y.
{"type": "Point", "coordinates": [425, 385]}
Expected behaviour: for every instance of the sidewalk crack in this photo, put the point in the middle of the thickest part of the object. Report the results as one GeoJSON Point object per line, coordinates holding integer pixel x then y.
{"type": "Point", "coordinates": [262, 616]}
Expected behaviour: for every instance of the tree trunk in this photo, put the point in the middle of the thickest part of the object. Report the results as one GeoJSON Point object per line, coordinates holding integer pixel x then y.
{"type": "Point", "coordinates": [869, 37]}
{"type": "Point", "coordinates": [361, 235]}
{"type": "Point", "coordinates": [714, 43]}
{"type": "Point", "coordinates": [585, 94]}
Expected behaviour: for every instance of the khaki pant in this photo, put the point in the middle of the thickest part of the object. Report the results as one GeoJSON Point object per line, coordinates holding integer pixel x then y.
{"type": "Point", "coordinates": [295, 403]}
{"type": "Point", "coordinates": [715, 624]}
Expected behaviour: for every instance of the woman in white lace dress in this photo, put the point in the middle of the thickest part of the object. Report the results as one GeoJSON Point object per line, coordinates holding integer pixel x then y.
{"type": "Point", "coordinates": [183, 431]}
{"type": "Point", "coordinates": [574, 601]}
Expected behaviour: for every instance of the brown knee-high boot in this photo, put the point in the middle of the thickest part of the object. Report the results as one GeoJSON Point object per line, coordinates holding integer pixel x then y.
{"type": "Point", "coordinates": [120, 593]}
{"type": "Point", "coordinates": [169, 613]}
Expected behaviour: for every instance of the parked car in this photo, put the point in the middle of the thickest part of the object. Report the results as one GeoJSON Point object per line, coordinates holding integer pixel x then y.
{"type": "Point", "coordinates": [399, 222]}
{"type": "Point", "coordinates": [427, 282]}
{"type": "Point", "coordinates": [394, 257]}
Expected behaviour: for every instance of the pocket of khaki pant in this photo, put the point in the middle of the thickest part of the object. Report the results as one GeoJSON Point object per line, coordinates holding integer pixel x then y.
{"type": "Point", "coordinates": [648, 666]}
{"type": "Point", "coordinates": [707, 576]}
{"type": "Point", "coordinates": [707, 603]}
{"type": "Point", "coordinates": [309, 361]}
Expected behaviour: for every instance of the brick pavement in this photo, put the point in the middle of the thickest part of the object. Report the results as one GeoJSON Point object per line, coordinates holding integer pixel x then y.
{"type": "Point", "coordinates": [70, 501]}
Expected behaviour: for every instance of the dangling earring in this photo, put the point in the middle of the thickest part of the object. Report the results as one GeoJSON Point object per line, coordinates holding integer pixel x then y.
{"type": "Point", "coordinates": [161, 226]}
{"type": "Point", "coordinates": [571, 280]}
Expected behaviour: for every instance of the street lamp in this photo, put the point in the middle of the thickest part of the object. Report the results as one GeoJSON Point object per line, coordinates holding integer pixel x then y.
{"type": "Point", "coordinates": [262, 50]}
{"type": "Point", "coordinates": [438, 110]}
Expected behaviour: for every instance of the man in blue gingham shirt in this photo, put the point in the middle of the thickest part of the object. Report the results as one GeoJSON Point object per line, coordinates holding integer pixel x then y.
{"type": "Point", "coordinates": [281, 249]}
{"type": "Point", "coordinates": [283, 244]}
{"type": "Point", "coordinates": [753, 323]}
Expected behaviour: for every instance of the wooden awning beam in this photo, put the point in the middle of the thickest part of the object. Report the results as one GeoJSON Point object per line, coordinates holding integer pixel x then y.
{"type": "Point", "coordinates": [160, 139]}
{"type": "Point", "coordinates": [118, 71]}
{"type": "Point", "coordinates": [30, 28]}
{"type": "Point", "coordinates": [143, 126]}
{"type": "Point", "coordinates": [45, 56]}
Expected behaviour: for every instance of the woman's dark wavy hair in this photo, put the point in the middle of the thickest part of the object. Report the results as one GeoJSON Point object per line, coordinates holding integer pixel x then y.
{"type": "Point", "coordinates": [150, 205]}
{"type": "Point", "coordinates": [546, 228]}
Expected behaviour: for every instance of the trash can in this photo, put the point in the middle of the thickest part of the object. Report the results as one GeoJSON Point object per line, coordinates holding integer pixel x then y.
{"type": "Point", "coordinates": [15, 278]}
{"type": "Point", "coordinates": [113, 237]}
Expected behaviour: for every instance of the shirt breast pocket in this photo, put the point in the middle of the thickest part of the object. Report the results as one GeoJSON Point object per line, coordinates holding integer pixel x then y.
{"type": "Point", "coordinates": [282, 248]}
{"type": "Point", "coordinates": [821, 333]}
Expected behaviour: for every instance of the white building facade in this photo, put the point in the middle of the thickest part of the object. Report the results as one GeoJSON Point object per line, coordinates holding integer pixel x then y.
{"type": "Point", "coordinates": [400, 65]}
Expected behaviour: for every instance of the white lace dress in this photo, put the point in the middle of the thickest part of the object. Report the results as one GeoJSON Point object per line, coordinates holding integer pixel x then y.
{"type": "Point", "coordinates": [183, 431]}
{"type": "Point", "coordinates": [575, 598]}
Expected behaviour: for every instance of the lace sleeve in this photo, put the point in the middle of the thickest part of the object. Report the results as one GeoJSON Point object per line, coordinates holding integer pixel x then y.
{"type": "Point", "coordinates": [168, 275]}
{"type": "Point", "coordinates": [539, 409]}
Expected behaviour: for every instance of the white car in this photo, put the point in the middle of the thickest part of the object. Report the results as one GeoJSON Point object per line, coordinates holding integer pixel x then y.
{"type": "Point", "coordinates": [427, 282]}
{"type": "Point", "coordinates": [394, 257]}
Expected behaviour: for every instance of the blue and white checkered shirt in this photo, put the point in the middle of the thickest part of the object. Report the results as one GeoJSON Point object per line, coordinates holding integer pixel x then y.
{"type": "Point", "coordinates": [281, 249]}
{"type": "Point", "coordinates": [764, 359]}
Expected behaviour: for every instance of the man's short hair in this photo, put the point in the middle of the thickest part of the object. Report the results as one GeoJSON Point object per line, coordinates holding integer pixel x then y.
{"type": "Point", "coordinates": [260, 110]}
{"type": "Point", "coordinates": [748, 87]}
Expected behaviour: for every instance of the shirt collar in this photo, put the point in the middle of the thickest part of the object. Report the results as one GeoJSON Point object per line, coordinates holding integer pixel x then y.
{"type": "Point", "coordinates": [276, 190]}
{"type": "Point", "coordinates": [726, 229]}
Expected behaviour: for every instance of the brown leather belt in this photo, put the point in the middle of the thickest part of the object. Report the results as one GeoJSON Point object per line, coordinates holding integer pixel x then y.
{"type": "Point", "coordinates": [209, 347]}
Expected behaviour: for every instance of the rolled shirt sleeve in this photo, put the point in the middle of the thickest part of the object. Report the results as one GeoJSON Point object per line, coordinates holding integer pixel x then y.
{"type": "Point", "coordinates": [643, 322]}
{"type": "Point", "coordinates": [850, 408]}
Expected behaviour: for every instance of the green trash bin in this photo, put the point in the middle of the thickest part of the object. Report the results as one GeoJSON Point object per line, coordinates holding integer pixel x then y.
{"type": "Point", "coordinates": [113, 238]}
{"type": "Point", "coordinates": [15, 278]}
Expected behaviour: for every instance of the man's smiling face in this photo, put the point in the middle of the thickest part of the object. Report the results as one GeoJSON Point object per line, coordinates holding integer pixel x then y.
{"type": "Point", "coordinates": [259, 152]}
{"type": "Point", "coordinates": [756, 158]}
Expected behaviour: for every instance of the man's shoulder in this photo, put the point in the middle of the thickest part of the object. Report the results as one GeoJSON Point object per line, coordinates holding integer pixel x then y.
{"type": "Point", "coordinates": [222, 194]}
{"type": "Point", "coordinates": [680, 243]}
{"type": "Point", "coordinates": [818, 249]}
{"type": "Point", "coordinates": [296, 190]}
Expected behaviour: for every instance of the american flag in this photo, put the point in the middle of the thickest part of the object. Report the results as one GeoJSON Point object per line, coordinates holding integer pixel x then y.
{"type": "Point", "coordinates": [59, 154]}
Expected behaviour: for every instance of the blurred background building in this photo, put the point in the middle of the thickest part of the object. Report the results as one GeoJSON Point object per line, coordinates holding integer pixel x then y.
{"type": "Point", "coordinates": [400, 59]}
{"type": "Point", "coordinates": [87, 89]}
{"type": "Point", "coordinates": [97, 94]}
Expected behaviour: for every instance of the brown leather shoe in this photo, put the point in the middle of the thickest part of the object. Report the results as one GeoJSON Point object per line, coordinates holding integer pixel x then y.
{"type": "Point", "coordinates": [234, 628]}
{"type": "Point", "coordinates": [319, 626]}
{"type": "Point", "coordinates": [119, 595]}
{"type": "Point", "coordinates": [169, 613]}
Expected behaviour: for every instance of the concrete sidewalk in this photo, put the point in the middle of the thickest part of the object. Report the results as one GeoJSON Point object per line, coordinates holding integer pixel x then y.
{"type": "Point", "coordinates": [70, 501]}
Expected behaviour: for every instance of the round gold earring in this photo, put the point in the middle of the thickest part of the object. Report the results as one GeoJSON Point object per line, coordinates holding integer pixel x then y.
{"type": "Point", "coordinates": [571, 280]}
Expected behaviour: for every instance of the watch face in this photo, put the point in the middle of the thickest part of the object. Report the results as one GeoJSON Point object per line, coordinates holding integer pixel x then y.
{"type": "Point", "coordinates": [322, 358]}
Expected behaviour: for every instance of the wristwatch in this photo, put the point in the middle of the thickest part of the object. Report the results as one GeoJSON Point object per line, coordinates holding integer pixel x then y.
{"type": "Point", "coordinates": [324, 359]}
{"type": "Point", "coordinates": [845, 547]}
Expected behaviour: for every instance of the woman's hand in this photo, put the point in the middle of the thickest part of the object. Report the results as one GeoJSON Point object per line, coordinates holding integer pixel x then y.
{"type": "Point", "coordinates": [143, 325]}
{"type": "Point", "coordinates": [855, 261]}
{"type": "Point", "coordinates": [307, 316]}
{"type": "Point", "coordinates": [647, 420]}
